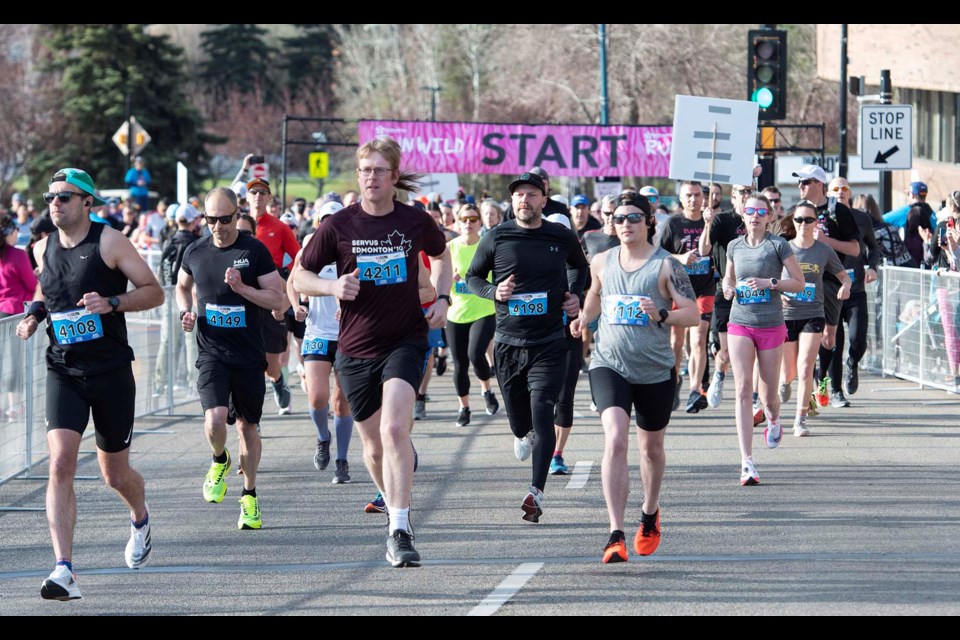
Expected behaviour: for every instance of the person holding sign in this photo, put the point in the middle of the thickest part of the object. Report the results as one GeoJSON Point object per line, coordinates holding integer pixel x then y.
{"type": "Point", "coordinates": [82, 292]}
{"type": "Point", "coordinates": [235, 280]}
{"type": "Point", "coordinates": [633, 288]}
{"type": "Point", "coordinates": [756, 331]}
{"type": "Point", "coordinates": [538, 274]}
{"type": "Point", "coordinates": [382, 347]}
{"type": "Point", "coordinates": [803, 311]}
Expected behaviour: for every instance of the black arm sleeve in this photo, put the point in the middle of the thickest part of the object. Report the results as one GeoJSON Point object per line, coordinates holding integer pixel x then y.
{"type": "Point", "coordinates": [577, 267]}
{"type": "Point", "coordinates": [481, 266]}
{"type": "Point", "coordinates": [873, 250]}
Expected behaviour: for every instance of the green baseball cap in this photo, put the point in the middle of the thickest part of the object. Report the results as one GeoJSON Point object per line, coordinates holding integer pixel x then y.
{"type": "Point", "coordinates": [80, 179]}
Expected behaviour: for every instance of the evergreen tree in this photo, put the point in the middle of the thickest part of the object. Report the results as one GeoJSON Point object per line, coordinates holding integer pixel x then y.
{"type": "Point", "coordinates": [91, 69]}
{"type": "Point", "coordinates": [239, 58]}
{"type": "Point", "coordinates": [309, 56]}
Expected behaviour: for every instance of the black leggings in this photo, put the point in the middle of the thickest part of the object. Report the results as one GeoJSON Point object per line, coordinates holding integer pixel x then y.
{"type": "Point", "coordinates": [469, 341]}
{"type": "Point", "coordinates": [854, 313]}
{"type": "Point", "coordinates": [564, 411]}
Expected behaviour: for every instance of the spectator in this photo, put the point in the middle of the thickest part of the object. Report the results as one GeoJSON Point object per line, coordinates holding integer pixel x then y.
{"type": "Point", "coordinates": [138, 182]}
{"type": "Point", "coordinates": [917, 231]}
{"type": "Point", "coordinates": [918, 197]}
{"type": "Point", "coordinates": [17, 286]}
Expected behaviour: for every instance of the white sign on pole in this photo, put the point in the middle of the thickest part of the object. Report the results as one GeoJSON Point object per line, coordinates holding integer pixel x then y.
{"type": "Point", "coordinates": [886, 136]}
{"type": "Point", "coordinates": [608, 187]}
{"type": "Point", "coordinates": [444, 184]}
{"type": "Point", "coordinates": [261, 170]}
{"type": "Point", "coordinates": [181, 183]}
{"type": "Point", "coordinates": [713, 140]}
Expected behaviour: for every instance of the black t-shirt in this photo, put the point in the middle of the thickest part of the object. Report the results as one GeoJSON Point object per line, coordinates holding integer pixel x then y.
{"type": "Point", "coordinates": [726, 227]}
{"type": "Point", "coordinates": [869, 253]}
{"type": "Point", "coordinates": [681, 235]}
{"type": "Point", "coordinates": [838, 224]}
{"type": "Point", "coordinates": [229, 327]}
{"type": "Point", "coordinates": [546, 263]}
{"type": "Point", "coordinates": [592, 225]}
{"type": "Point", "coordinates": [598, 242]}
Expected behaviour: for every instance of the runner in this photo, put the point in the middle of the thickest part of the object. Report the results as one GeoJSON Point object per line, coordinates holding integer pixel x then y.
{"type": "Point", "coordinates": [235, 280]}
{"type": "Point", "coordinates": [471, 321]}
{"type": "Point", "coordinates": [633, 286]}
{"type": "Point", "coordinates": [82, 292]}
{"type": "Point", "coordinates": [803, 312]}
{"type": "Point", "coordinates": [528, 258]}
{"type": "Point", "coordinates": [319, 353]}
{"type": "Point", "coordinates": [756, 329]}
{"type": "Point", "coordinates": [376, 245]}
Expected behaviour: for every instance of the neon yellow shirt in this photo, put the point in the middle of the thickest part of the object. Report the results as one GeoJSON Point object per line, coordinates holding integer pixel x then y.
{"type": "Point", "coordinates": [466, 307]}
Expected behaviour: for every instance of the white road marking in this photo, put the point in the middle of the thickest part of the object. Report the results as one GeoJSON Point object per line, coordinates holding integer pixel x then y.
{"type": "Point", "coordinates": [580, 475]}
{"type": "Point", "coordinates": [507, 589]}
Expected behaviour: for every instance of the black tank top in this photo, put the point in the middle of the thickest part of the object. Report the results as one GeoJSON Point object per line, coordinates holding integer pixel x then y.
{"type": "Point", "coordinates": [82, 344]}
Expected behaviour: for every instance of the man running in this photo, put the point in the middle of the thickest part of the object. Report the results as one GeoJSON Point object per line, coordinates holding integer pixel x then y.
{"type": "Point", "coordinates": [634, 285]}
{"type": "Point", "coordinates": [235, 279]}
{"type": "Point", "coordinates": [382, 345]}
{"type": "Point", "coordinates": [538, 275]}
{"type": "Point", "coordinates": [82, 291]}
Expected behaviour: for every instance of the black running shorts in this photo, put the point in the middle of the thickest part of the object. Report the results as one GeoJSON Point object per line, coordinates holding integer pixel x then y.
{"type": "Point", "coordinates": [652, 402]}
{"type": "Point", "coordinates": [329, 346]}
{"type": "Point", "coordinates": [217, 383]}
{"type": "Point", "coordinates": [362, 378]}
{"type": "Point", "coordinates": [274, 333]}
{"type": "Point", "coordinates": [110, 397]}
{"type": "Point", "coordinates": [294, 326]}
{"type": "Point", "coordinates": [831, 306]}
{"type": "Point", "coordinates": [796, 327]}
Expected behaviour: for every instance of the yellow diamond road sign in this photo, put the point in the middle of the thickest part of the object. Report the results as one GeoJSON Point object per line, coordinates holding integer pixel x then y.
{"type": "Point", "coordinates": [319, 164]}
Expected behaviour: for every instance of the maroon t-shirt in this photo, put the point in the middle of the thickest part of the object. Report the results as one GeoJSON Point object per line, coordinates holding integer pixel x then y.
{"type": "Point", "coordinates": [385, 248]}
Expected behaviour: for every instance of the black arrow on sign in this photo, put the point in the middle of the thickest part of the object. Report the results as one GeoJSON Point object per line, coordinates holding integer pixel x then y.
{"type": "Point", "coordinates": [882, 157]}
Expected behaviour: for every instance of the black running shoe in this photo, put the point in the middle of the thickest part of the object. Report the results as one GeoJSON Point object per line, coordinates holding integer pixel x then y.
{"type": "Point", "coordinates": [400, 551]}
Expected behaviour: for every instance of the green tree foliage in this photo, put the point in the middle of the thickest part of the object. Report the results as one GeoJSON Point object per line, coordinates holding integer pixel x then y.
{"type": "Point", "coordinates": [308, 57]}
{"type": "Point", "coordinates": [237, 58]}
{"type": "Point", "coordinates": [90, 69]}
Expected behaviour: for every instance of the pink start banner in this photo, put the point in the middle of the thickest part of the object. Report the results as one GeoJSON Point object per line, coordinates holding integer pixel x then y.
{"type": "Point", "coordinates": [562, 150]}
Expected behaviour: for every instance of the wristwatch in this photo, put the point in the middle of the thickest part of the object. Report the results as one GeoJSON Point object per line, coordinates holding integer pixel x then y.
{"type": "Point", "coordinates": [664, 314]}
{"type": "Point", "coordinates": [114, 302]}
{"type": "Point", "coordinates": [773, 283]}
{"type": "Point", "coordinates": [444, 296]}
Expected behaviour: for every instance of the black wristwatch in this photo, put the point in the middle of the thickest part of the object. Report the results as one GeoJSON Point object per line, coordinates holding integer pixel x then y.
{"type": "Point", "coordinates": [444, 296]}
{"type": "Point", "coordinates": [114, 302]}
{"type": "Point", "coordinates": [183, 313]}
{"type": "Point", "coordinates": [664, 314]}
{"type": "Point", "coordinates": [773, 283]}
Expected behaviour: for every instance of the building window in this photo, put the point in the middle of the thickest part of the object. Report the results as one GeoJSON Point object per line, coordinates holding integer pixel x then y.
{"type": "Point", "coordinates": [936, 127]}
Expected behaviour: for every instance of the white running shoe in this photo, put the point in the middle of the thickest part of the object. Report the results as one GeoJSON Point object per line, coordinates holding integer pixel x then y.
{"type": "Point", "coordinates": [523, 447]}
{"type": "Point", "coordinates": [139, 546]}
{"type": "Point", "coordinates": [715, 390]}
{"type": "Point", "coordinates": [748, 473]}
{"type": "Point", "coordinates": [773, 433]}
{"type": "Point", "coordinates": [60, 585]}
{"type": "Point", "coordinates": [800, 427]}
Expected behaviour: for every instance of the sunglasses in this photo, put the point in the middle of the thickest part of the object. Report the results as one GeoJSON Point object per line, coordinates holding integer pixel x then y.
{"type": "Point", "coordinates": [62, 196]}
{"type": "Point", "coordinates": [774, 200]}
{"type": "Point", "coordinates": [842, 188]}
{"type": "Point", "coordinates": [805, 220]}
{"type": "Point", "coordinates": [743, 192]}
{"type": "Point", "coordinates": [750, 211]}
{"type": "Point", "coordinates": [212, 220]}
{"type": "Point", "coordinates": [258, 192]}
{"type": "Point", "coordinates": [469, 218]}
{"type": "Point", "coordinates": [808, 182]}
{"type": "Point", "coordinates": [633, 218]}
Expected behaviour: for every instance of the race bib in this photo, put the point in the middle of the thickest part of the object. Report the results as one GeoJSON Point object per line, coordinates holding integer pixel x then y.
{"type": "Point", "coordinates": [315, 347]}
{"type": "Point", "coordinates": [384, 268]}
{"type": "Point", "coordinates": [808, 294]}
{"type": "Point", "coordinates": [226, 317]}
{"type": "Point", "coordinates": [71, 327]}
{"type": "Point", "coordinates": [527, 304]}
{"type": "Point", "coordinates": [625, 310]}
{"type": "Point", "coordinates": [461, 288]}
{"type": "Point", "coordinates": [748, 295]}
{"type": "Point", "coordinates": [700, 267]}
{"type": "Point", "coordinates": [853, 275]}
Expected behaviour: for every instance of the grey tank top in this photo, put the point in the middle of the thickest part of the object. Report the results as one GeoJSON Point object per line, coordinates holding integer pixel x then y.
{"type": "Point", "coordinates": [627, 341]}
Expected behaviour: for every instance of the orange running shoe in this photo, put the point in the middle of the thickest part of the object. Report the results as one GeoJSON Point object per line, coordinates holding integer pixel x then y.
{"type": "Point", "coordinates": [616, 549]}
{"type": "Point", "coordinates": [823, 394]}
{"type": "Point", "coordinates": [648, 535]}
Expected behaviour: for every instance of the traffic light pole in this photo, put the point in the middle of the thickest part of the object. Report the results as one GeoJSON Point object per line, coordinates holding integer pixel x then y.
{"type": "Point", "coordinates": [842, 168]}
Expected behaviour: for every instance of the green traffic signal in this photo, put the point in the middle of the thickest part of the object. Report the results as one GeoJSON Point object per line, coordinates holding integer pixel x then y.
{"type": "Point", "coordinates": [763, 97]}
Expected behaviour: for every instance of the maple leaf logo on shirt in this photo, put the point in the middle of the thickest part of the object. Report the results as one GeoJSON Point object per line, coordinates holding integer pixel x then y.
{"type": "Point", "coordinates": [396, 239]}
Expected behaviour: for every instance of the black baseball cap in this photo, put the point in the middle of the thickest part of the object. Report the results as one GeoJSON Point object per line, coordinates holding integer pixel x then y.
{"type": "Point", "coordinates": [528, 178]}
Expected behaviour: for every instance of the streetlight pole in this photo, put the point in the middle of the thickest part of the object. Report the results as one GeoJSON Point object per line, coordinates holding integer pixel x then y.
{"type": "Point", "coordinates": [842, 168]}
{"type": "Point", "coordinates": [435, 89]}
{"type": "Point", "coordinates": [603, 75]}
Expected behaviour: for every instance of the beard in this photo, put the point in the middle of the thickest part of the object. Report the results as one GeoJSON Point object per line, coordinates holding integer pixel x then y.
{"type": "Point", "coordinates": [527, 215]}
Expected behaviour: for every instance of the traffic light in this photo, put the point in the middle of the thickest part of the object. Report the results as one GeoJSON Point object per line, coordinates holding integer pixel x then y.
{"type": "Point", "coordinates": [767, 72]}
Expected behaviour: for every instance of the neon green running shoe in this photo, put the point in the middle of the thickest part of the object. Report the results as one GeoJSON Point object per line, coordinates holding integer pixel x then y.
{"type": "Point", "coordinates": [214, 486]}
{"type": "Point", "coordinates": [249, 513]}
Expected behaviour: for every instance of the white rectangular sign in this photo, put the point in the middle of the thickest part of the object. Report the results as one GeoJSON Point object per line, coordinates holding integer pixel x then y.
{"type": "Point", "coordinates": [713, 140]}
{"type": "Point", "coordinates": [886, 136]}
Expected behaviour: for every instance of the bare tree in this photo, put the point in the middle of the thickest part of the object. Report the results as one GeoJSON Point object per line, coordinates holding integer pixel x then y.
{"type": "Point", "coordinates": [20, 102]}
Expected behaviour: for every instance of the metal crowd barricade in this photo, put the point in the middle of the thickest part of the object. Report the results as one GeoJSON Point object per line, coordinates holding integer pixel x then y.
{"type": "Point", "coordinates": [23, 375]}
